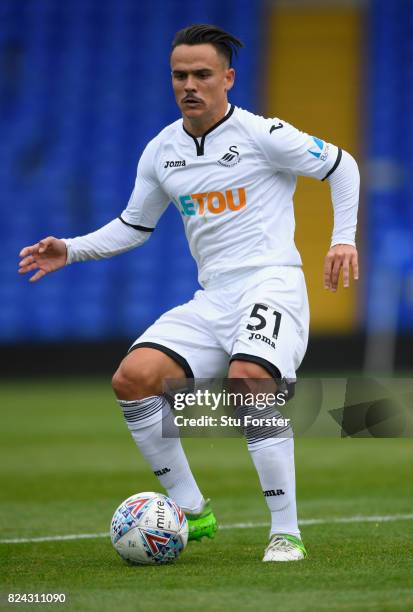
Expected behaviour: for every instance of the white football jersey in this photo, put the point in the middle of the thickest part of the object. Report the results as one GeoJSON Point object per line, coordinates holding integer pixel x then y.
{"type": "Point", "coordinates": [233, 188]}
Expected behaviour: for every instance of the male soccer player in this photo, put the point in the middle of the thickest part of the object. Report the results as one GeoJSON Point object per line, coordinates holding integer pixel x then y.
{"type": "Point", "coordinates": [232, 175]}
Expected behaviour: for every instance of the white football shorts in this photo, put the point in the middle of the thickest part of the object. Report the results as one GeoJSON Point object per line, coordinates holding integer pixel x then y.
{"type": "Point", "coordinates": [260, 315]}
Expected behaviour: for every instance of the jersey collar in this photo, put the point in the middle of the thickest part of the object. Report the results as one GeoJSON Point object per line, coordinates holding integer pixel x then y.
{"type": "Point", "coordinates": [200, 143]}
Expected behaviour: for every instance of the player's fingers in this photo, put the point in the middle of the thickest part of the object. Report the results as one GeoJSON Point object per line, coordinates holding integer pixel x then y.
{"type": "Point", "coordinates": [28, 268]}
{"type": "Point", "coordinates": [45, 243]}
{"type": "Point", "coordinates": [328, 264]}
{"type": "Point", "coordinates": [29, 250]}
{"type": "Point", "coordinates": [355, 266]}
{"type": "Point", "coordinates": [37, 276]}
{"type": "Point", "coordinates": [335, 273]}
{"type": "Point", "coordinates": [346, 272]}
{"type": "Point", "coordinates": [26, 261]}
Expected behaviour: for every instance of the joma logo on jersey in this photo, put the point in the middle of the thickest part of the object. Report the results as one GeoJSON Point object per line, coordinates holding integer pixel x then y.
{"type": "Point", "coordinates": [215, 202]}
{"type": "Point", "coordinates": [175, 163]}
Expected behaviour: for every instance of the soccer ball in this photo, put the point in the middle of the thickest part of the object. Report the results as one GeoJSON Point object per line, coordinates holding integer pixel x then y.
{"type": "Point", "coordinates": [149, 529]}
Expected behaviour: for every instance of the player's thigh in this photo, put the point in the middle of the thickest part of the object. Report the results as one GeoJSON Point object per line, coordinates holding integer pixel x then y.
{"type": "Point", "coordinates": [142, 373]}
{"type": "Point", "coordinates": [273, 330]}
{"type": "Point", "coordinates": [185, 334]}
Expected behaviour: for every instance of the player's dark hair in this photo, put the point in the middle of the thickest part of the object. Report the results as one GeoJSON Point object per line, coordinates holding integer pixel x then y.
{"type": "Point", "coordinates": [202, 33]}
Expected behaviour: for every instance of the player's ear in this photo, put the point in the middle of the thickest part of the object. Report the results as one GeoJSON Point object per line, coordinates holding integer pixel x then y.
{"type": "Point", "coordinates": [229, 78]}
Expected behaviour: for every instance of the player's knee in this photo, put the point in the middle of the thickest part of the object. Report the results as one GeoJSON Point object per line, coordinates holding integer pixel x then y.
{"type": "Point", "coordinates": [248, 378]}
{"type": "Point", "coordinates": [247, 369]}
{"type": "Point", "coordinates": [135, 382]}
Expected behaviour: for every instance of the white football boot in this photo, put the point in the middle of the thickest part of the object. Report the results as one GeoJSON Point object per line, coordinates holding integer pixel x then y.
{"type": "Point", "coordinates": [284, 547]}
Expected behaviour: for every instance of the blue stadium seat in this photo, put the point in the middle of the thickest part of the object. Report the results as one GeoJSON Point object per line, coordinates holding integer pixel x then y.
{"type": "Point", "coordinates": [83, 86]}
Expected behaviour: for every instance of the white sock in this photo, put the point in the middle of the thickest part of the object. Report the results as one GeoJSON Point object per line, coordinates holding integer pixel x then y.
{"type": "Point", "coordinates": [147, 419]}
{"type": "Point", "coordinates": [274, 461]}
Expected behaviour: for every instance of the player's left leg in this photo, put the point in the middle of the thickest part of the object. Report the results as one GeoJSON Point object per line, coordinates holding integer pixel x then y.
{"type": "Point", "coordinates": [272, 452]}
{"type": "Point", "coordinates": [270, 343]}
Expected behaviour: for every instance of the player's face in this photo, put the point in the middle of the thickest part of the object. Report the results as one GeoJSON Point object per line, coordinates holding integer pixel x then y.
{"type": "Point", "coordinates": [201, 79]}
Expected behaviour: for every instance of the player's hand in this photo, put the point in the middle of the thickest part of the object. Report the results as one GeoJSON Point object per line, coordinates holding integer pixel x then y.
{"type": "Point", "coordinates": [45, 256]}
{"type": "Point", "coordinates": [340, 256]}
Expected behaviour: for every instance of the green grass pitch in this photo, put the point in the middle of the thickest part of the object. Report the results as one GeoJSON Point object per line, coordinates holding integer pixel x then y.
{"type": "Point", "coordinates": [67, 461]}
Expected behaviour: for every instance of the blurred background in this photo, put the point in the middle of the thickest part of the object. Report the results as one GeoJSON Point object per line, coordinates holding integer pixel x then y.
{"type": "Point", "coordinates": [84, 84]}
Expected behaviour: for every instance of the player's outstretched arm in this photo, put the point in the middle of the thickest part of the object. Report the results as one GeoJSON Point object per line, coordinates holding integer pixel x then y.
{"type": "Point", "coordinates": [51, 253]}
{"type": "Point", "coordinates": [45, 256]}
{"type": "Point", "coordinates": [340, 257]}
{"type": "Point", "coordinates": [136, 223]}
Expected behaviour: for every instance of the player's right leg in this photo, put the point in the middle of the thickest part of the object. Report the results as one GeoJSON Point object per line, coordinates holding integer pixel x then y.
{"type": "Point", "coordinates": [138, 385]}
{"type": "Point", "coordinates": [179, 345]}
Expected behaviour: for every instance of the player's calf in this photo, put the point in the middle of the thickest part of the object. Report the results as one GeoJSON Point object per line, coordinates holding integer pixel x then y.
{"type": "Point", "coordinates": [270, 443]}
{"type": "Point", "coordinates": [138, 386]}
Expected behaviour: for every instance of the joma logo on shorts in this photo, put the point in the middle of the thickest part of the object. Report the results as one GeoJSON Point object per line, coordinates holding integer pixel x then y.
{"type": "Point", "coordinates": [215, 202]}
{"type": "Point", "coordinates": [263, 339]}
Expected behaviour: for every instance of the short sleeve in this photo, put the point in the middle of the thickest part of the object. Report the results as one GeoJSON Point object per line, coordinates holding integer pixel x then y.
{"type": "Point", "coordinates": [288, 149]}
{"type": "Point", "coordinates": [148, 200]}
